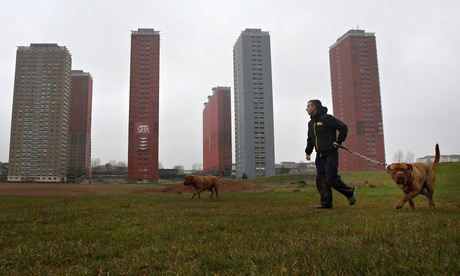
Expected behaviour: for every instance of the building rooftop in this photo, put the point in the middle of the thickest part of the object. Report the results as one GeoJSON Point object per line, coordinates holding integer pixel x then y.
{"type": "Point", "coordinates": [80, 73]}
{"type": "Point", "coordinates": [145, 31]}
{"type": "Point", "coordinates": [251, 31]}
{"type": "Point", "coordinates": [220, 88]}
{"type": "Point", "coordinates": [351, 33]}
{"type": "Point", "coordinates": [43, 46]}
{"type": "Point", "coordinates": [442, 156]}
{"type": "Point", "coordinates": [214, 89]}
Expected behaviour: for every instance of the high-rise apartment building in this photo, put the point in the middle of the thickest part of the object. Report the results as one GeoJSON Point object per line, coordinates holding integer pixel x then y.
{"type": "Point", "coordinates": [81, 93]}
{"type": "Point", "coordinates": [254, 134]}
{"type": "Point", "coordinates": [144, 106]}
{"type": "Point", "coordinates": [217, 135]}
{"type": "Point", "coordinates": [356, 97]}
{"type": "Point", "coordinates": [40, 118]}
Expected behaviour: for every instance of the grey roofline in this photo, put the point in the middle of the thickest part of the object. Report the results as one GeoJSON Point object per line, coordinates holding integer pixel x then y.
{"type": "Point", "coordinates": [350, 33]}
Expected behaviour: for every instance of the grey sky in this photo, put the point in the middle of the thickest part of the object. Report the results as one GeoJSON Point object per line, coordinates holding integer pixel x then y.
{"type": "Point", "coordinates": [417, 45]}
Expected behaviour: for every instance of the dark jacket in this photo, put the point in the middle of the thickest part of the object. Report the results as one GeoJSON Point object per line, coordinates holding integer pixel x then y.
{"type": "Point", "coordinates": [322, 132]}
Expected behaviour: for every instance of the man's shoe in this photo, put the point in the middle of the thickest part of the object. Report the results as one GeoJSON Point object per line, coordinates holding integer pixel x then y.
{"type": "Point", "coordinates": [352, 199]}
{"type": "Point", "coordinates": [320, 206]}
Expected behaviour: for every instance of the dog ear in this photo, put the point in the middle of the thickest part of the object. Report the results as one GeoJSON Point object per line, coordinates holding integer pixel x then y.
{"type": "Point", "coordinates": [389, 170]}
{"type": "Point", "coordinates": [409, 168]}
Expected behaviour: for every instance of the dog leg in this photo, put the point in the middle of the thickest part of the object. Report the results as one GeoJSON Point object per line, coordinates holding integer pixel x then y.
{"type": "Point", "coordinates": [412, 204]}
{"type": "Point", "coordinates": [405, 198]}
{"type": "Point", "coordinates": [212, 192]}
{"type": "Point", "coordinates": [424, 192]}
{"type": "Point", "coordinates": [193, 195]}
{"type": "Point", "coordinates": [429, 195]}
{"type": "Point", "coordinates": [215, 189]}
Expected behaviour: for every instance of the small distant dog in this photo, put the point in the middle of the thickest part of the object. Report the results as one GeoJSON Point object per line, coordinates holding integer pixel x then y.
{"type": "Point", "coordinates": [414, 179]}
{"type": "Point", "coordinates": [203, 183]}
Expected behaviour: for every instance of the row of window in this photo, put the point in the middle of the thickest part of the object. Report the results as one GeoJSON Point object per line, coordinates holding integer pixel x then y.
{"type": "Point", "coordinates": [21, 178]}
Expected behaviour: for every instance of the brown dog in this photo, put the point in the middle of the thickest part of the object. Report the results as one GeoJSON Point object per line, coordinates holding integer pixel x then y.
{"type": "Point", "coordinates": [203, 183]}
{"type": "Point", "coordinates": [414, 179]}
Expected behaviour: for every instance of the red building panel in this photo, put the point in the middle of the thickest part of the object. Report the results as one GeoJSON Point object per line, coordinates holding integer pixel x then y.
{"type": "Point", "coordinates": [217, 137]}
{"type": "Point", "coordinates": [81, 93]}
{"type": "Point", "coordinates": [144, 106]}
{"type": "Point", "coordinates": [356, 98]}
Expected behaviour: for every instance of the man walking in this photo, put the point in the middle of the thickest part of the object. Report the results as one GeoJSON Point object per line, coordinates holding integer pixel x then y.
{"type": "Point", "coordinates": [322, 135]}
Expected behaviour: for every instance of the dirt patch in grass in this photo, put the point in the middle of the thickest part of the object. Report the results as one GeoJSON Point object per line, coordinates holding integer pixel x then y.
{"type": "Point", "coordinates": [55, 189]}
{"type": "Point", "coordinates": [231, 186]}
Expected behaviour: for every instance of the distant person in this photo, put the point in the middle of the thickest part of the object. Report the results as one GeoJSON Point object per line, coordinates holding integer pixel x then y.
{"type": "Point", "coordinates": [322, 135]}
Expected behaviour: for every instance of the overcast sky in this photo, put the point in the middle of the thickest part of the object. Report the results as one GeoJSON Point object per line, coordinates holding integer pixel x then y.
{"type": "Point", "coordinates": [417, 46]}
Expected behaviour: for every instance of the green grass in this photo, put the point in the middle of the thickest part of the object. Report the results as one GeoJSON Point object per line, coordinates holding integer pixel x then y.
{"type": "Point", "coordinates": [270, 232]}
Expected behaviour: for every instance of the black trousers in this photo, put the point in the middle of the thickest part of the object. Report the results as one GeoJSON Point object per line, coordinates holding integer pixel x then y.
{"type": "Point", "coordinates": [327, 177]}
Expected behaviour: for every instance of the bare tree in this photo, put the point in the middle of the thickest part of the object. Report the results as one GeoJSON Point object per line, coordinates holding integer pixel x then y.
{"type": "Point", "coordinates": [95, 162]}
{"type": "Point", "coordinates": [196, 167]}
{"type": "Point", "coordinates": [179, 168]}
{"type": "Point", "coordinates": [398, 157]}
{"type": "Point", "coordinates": [410, 157]}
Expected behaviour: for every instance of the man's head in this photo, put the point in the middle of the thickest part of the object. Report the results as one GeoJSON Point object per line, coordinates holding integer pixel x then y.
{"type": "Point", "coordinates": [313, 106]}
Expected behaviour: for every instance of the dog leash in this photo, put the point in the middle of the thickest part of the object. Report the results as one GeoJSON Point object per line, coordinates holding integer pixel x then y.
{"type": "Point", "coordinates": [361, 156]}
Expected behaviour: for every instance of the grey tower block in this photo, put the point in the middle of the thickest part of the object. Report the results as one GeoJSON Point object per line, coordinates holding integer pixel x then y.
{"type": "Point", "coordinates": [254, 134]}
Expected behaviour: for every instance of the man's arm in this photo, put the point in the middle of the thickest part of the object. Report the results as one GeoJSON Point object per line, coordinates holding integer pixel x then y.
{"type": "Point", "coordinates": [341, 127]}
{"type": "Point", "coordinates": [310, 144]}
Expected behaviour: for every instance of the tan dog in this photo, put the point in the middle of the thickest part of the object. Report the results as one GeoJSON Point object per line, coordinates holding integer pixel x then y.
{"type": "Point", "coordinates": [203, 183]}
{"type": "Point", "coordinates": [414, 179]}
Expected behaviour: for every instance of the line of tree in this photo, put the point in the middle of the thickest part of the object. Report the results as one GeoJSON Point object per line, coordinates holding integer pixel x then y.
{"type": "Point", "coordinates": [96, 162]}
{"type": "Point", "coordinates": [399, 157]}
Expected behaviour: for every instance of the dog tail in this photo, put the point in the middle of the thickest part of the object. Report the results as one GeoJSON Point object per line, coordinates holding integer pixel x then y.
{"type": "Point", "coordinates": [222, 173]}
{"type": "Point", "coordinates": [436, 158]}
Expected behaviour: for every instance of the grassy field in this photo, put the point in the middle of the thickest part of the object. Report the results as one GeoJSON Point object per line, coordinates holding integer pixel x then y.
{"type": "Point", "coordinates": [275, 231]}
